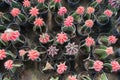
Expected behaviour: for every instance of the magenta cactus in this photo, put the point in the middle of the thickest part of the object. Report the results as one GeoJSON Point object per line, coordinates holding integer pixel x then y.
{"type": "Point", "coordinates": [71, 48]}
{"type": "Point", "coordinates": [115, 3]}
{"type": "Point", "coordinates": [53, 51]}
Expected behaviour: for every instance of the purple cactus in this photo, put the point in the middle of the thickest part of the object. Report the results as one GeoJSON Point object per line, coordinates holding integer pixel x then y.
{"type": "Point", "coordinates": [71, 48]}
{"type": "Point", "coordinates": [115, 3]}
{"type": "Point", "coordinates": [52, 50]}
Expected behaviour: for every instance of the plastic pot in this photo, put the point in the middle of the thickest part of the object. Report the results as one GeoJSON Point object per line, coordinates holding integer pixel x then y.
{"type": "Point", "coordinates": [102, 39]}
{"type": "Point", "coordinates": [44, 11]}
{"type": "Point", "coordinates": [40, 29]}
{"type": "Point", "coordinates": [71, 59]}
{"type": "Point", "coordinates": [58, 20]}
{"type": "Point", "coordinates": [43, 52]}
{"type": "Point", "coordinates": [83, 75]}
{"type": "Point", "coordinates": [42, 65]}
{"type": "Point", "coordinates": [116, 30]}
{"type": "Point", "coordinates": [9, 75]}
{"type": "Point", "coordinates": [77, 18]}
{"type": "Point", "coordinates": [81, 31]}
{"type": "Point", "coordinates": [71, 31]}
{"type": "Point", "coordinates": [73, 3]}
{"type": "Point", "coordinates": [20, 43]}
{"type": "Point", "coordinates": [4, 7]}
{"type": "Point", "coordinates": [26, 27]}
{"type": "Point", "coordinates": [117, 53]}
{"type": "Point", "coordinates": [7, 18]}
{"type": "Point", "coordinates": [14, 26]}
{"type": "Point", "coordinates": [101, 24]}
{"type": "Point", "coordinates": [21, 68]}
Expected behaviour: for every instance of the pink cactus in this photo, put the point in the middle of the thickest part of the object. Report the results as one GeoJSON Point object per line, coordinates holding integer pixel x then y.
{"type": "Point", "coordinates": [68, 21]}
{"type": "Point", "coordinates": [62, 11]}
{"type": "Point", "coordinates": [89, 41]}
{"type": "Point", "coordinates": [2, 54]}
{"type": "Point", "coordinates": [41, 1]}
{"type": "Point", "coordinates": [89, 23]}
{"type": "Point", "coordinates": [98, 65]}
{"type": "Point", "coordinates": [109, 50]}
{"type": "Point", "coordinates": [33, 54]}
{"type": "Point", "coordinates": [112, 39]}
{"type": "Point", "coordinates": [90, 10]}
{"type": "Point", "coordinates": [62, 37]}
{"type": "Point", "coordinates": [8, 64]}
{"type": "Point", "coordinates": [34, 11]}
{"type": "Point", "coordinates": [22, 52]}
{"type": "Point", "coordinates": [10, 35]}
{"type": "Point", "coordinates": [26, 3]}
{"type": "Point", "coordinates": [15, 12]}
{"type": "Point", "coordinates": [72, 78]}
{"type": "Point", "coordinates": [44, 38]}
{"type": "Point", "coordinates": [57, 1]}
{"type": "Point", "coordinates": [80, 10]}
{"type": "Point", "coordinates": [108, 13]}
{"type": "Point", "coordinates": [39, 22]}
{"type": "Point", "coordinates": [115, 66]}
{"type": "Point", "coordinates": [61, 68]}
{"type": "Point", "coordinates": [98, 1]}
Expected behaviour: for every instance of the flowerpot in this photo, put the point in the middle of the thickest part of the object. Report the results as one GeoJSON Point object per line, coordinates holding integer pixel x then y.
{"type": "Point", "coordinates": [46, 66]}
{"type": "Point", "coordinates": [41, 29]}
{"type": "Point", "coordinates": [44, 11]}
{"type": "Point", "coordinates": [117, 53]}
{"type": "Point", "coordinates": [53, 10]}
{"type": "Point", "coordinates": [20, 43]}
{"type": "Point", "coordinates": [43, 52]}
{"type": "Point", "coordinates": [14, 26]}
{"type": "Point", "coordinates": [31, 19]}
{"type": "Point", "coordinates": [26, 10]}
{"type": "Point", "coordinates": [15, 4]}
{"type": "Point", "coordinates": [4, 7]}
{"type": "Point", "coordinates": [58, 20]}
{"type": "Point", "coordinates": [116, 30]}
{"type": "Point", "coordinates": [77, 18]}
{"type": "Point", "coordinates": [83, 75]}
{"type": "Point", "coordinates": [102, 39]}
{"type": "Point", "coordinates": [9, 76]}
{"type": "Point", "coordinates": [97, 76]}
{"type": "Point", "coordinates": [20, 69]}
{"type": "Point", "coordinates": [10, 1]}
{"type": "Point", "coordinates": [88, 64]}
{"type": "Point", "coordinates": [95, 5]}
{"type": "Point", "coordinates": [21, 1]}
{"type": "Point", "coordinates": [101, 22]}
{"type": "Point", "coordinates": [71, 59]}
{"type": "Point", "coordinates": [82, 32]}
{"type": "Point", "coordinates": [7, 18]}
{"type": "Point", "coordinates": [106, 76]}
{"type": "Point", "coordinates": [71, 31]}
{"type": "Point", "coordinates": [12, 51]}
{"type": "Point", "coordinates": [21, 18]}
{"type": "Point", "coordinates": [26, 27]}
{"type": "Point", "coordinates": [87, 17]}
{"type": "Point", "coordinates": [73, 3]}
